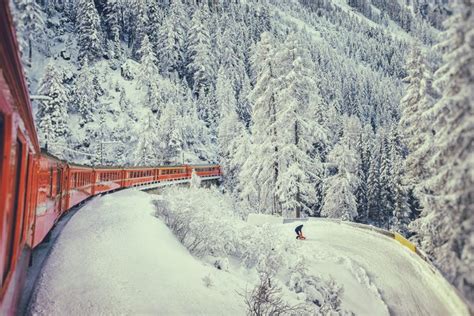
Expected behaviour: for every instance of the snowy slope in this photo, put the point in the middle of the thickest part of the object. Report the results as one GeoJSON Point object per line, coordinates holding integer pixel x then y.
{"type": "Point", "coordinates": [116, 257]}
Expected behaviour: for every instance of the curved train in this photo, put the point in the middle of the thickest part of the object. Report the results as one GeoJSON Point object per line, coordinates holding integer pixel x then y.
{"type": "Point", "coordinates": [36, 189]}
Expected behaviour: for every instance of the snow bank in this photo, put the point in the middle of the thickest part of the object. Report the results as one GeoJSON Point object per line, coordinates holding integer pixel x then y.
{"type": "Point", "coordinates": [116, 257]}
{"type": "Point", "coordinates": [260, 219]}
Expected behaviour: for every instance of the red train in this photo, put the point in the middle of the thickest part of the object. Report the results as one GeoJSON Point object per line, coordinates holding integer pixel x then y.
{"type": "Point", "coordinates": [36, 189]}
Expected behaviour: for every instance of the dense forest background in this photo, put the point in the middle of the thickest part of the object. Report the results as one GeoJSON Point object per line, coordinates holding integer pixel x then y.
{"type": "Point", "coordinates": [351, 109]}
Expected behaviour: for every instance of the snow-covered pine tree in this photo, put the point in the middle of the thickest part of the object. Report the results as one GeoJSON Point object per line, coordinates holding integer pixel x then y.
{"type": "Point", "coordinates": [169, 134]}
{"type": "Point", "coordinates": [386, 188]}
{"type": "Point", "coordinates": [111, 18]}
{"type": "Point", "coordinates": [373, 185]}
{"type": "Point", "coordinates": [138, 19]}
{"type": "Point", "coordinates": [148, 71]}
{"type": "Point", "coordinates": [86, 94]}
{"type": "Point", "coordinates": [364, 148]}
{"type": "Point", "coordinates": [201, 63]}
{"type": "Point", "coordinates": [261, 166]}
{"type": "Point", "coordinates": [52, 114]}
{"type": "Point", "coordinates": [339, 199]}
{"type": "Point", "coordinates": [30, 26]}
{"type": "Point", "coordinates": [88, 30]}
{"type": "Point", "coordinates": [171, 48]}
{"type": "Point", "coordinates": [146, 151]}
{"type": "Point", "coordinates": [415, 123]}
{"type": "Point", "coordinates": [339, 189]}
{"type": "Point", "coordinates": [401, 209]}
{"type": "Point", "coordinates": [229, 127]}
{"type": "Point", "coordinates": [208, 110]}
{"type": "Point", "coordinates": [446, 226]}
{"type": "Point", "coordinates": [297, 104]}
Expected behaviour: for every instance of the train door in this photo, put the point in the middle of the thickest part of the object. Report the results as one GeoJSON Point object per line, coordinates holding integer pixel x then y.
{"type": "Point", "coordinates": [64, 180]}
{"type": "Point", "coordinates": [57, 188]}
{"type": "Point", "coordinates": [15, 214]}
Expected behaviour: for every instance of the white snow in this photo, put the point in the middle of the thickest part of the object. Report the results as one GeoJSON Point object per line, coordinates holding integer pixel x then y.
{"type": "Point", "coordinates": [116, 257]}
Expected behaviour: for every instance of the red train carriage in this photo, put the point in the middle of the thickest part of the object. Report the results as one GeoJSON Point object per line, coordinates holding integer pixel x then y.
{"type": "Point", "coordinates": [207, 170]}
{"type": "Point", "coordinates": [51, 195]}
{"type": "Point", "coordinates": [173, 173]}
{"type": "Point", "coordinates": [81, 182]}
{"type": "Point", "coordinates": [18, 149]}
{"type": "Point", "coordinates": [109, 179]}
{"type": "Point", "coordinates": [139, 176]}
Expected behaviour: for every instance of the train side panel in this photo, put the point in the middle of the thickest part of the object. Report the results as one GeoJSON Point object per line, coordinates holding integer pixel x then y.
{"type": "Point", "coordinates": [107, 180]}
{"type": "Point", "coordinates": [81, 184]}
{"type": "Point", "coordinates": [51, 196]}
{"type": "Point", "coordinates": [173, 173]}
{"type": "Point", "coordinates": [135, 176]}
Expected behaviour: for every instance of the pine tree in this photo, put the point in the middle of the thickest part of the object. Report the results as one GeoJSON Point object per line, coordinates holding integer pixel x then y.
{"type": "Point", "coordinates": [339, 201]}
{"type": "Point", "coordinates": [364, 148]}
{"type": "Point", "coordinates": [148, 71]}
{"type": "Point", "coordinates": [229, 128]}
{"type": "Point", "coordinates": [447, 225]}
{"type": "Point", "coordinates": [171, 48]}
{"type": "Point", "coordinates": [201, 64]}
{"type": "Point", "coordinates": [340, 189]}
{"type": "Point", "coordinates": [297, 104]}
{"type": "Point", "coordinates": [86, 94]}
{"type": "Point", "coordinates": [52, 113]}
{"type": "Point", "coordinates": [262, 163]}
{"type": "Point", "coordinates": [373, 186]}
{"type": "Point", "coordinates": [146, 152]}
{"type": "Point", "coordinates": [111, 17]}
{"type": "Point", "coordinates": [415, 121]}
{"type": "Point", "coordinates": [229, 125]}
{"type": "Point", "coordinates": [88, 30]}
{"type": "Point", "coordinates": [30, 26]}
{"type": "Point", "coordinates": [386, 188]}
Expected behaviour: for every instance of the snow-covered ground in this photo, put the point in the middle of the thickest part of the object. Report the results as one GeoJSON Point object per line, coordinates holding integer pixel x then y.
{"type": "Point", "coordinates": [116, 257]}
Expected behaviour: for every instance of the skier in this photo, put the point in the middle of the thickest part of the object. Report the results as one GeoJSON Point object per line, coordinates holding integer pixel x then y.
{"type": "Point", "coordinates": [299, 232]}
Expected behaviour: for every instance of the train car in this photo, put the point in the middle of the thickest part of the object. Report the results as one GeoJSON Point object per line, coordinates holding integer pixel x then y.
{"type": "Point", "coordinates": [108, 179]}
{"type": "Point", "coordinates": [206, 171]}
{"type": "Point", "coordinates": [169, 173]}
{"type": "Point", "coordinates": [52, 195]}
{"type": "Point", "coordinates": [81, 184]}
{"type": "Point", "coordinates": [139, 176]}
{"type": "Point", "coordinates": [19, 150]}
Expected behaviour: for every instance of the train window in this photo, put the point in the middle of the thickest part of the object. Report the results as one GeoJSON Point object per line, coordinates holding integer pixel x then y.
{"type": "Point", "coordinates": [58, 181]}
{"type": "Point", "coordinates": [14, 213]}
{"type": "Point", "coordinates": [51, 182]}
{"type": "Point", "coordinates": [25, 200]}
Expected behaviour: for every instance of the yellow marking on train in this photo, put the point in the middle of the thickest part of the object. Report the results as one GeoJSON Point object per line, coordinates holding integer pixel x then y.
{"type": "Point", "coordinates": [405, 242]}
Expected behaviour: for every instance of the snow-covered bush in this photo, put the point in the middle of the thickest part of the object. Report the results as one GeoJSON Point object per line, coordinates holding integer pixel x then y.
{"type": "Point", "coordinates": [267, 299]}
{"type": "Point", "coordinates": [201, 225]}
{"type": "Point", "coordinates": [324, 295]}
{"type": "Point", "coordinates": [195, 180]}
